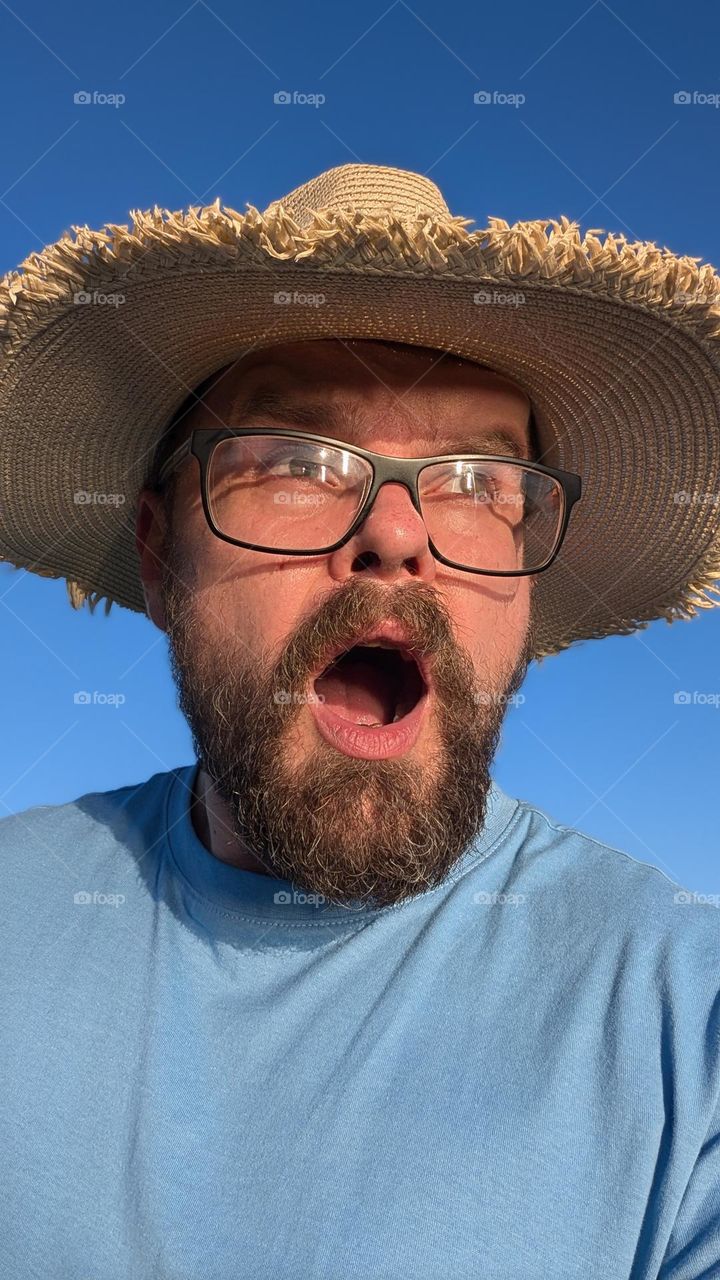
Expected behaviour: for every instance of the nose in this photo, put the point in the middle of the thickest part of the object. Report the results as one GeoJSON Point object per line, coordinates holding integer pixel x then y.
{"type": "Point", "coordinates": [391, 543]}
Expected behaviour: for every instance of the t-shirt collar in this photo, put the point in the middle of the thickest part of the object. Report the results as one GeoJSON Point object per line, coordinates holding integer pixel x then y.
{"type": "Point", "coordinates": [254, 895]}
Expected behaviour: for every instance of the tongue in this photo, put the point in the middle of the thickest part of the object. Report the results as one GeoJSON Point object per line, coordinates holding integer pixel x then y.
{"type": "Point", "coordinates": [358, 691]}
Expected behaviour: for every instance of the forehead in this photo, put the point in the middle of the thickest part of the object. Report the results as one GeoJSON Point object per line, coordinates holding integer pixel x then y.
{"type": "Point", "coordinates": [347, 388]}
{"type": "Point", "coordinates": [408, 383]}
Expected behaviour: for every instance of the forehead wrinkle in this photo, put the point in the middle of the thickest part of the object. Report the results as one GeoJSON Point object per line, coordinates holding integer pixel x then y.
{"type": "Point", "coordinates": [348, 417]}
{"type": "Point", "coordinates": [326, 414]}
{"type": "Point", "coordinates": [340, 415]}
{"type": "Point", "coordinates": [283, 405]}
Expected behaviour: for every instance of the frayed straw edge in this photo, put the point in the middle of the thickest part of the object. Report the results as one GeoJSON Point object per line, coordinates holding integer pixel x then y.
{"type": "Point", "coordinates": [79, 596]}
{"type": "Point", "coordinates": [544, 252]}
{"type": "Point", "coordinates": [703, 593]}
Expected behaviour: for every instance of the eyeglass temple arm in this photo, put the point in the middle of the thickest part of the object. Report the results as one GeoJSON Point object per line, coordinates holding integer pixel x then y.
{"type": "Point", "coordinates": [174, 460]}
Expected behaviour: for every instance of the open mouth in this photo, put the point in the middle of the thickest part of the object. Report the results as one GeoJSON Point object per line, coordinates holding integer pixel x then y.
{"type": "Point", "coordinates": [371, 684]}
{"type": "Point", "coordinates": [371, 698]}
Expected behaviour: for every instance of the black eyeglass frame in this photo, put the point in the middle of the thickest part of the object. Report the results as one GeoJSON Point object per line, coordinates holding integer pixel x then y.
{"type": "Point", "coordinates": [405, 471]}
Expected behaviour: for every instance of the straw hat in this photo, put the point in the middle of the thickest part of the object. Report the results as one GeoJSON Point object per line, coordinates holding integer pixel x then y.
{"type": "Point", "coordinates": [617, 344]}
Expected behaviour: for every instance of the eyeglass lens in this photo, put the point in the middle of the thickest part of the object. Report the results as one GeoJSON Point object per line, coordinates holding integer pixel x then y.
{"type": "Point", "coordinates": [289, 493]}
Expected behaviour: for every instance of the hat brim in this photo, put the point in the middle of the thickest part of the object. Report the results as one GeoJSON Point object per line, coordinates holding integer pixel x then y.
{"type": "Point", "coordinates": [623, 373]}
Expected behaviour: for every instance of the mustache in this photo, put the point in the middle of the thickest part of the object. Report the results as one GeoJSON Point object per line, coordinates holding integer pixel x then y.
{"type": "Point", "coordinates": [356, 608]}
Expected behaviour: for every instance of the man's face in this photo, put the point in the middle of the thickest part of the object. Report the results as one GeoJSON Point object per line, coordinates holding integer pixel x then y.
{"type": "Point", "coordinates": [375, 813]}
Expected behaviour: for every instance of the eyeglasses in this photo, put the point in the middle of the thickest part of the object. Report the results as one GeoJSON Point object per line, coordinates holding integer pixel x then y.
{"type": "Point", "coordinates": [292, 493]}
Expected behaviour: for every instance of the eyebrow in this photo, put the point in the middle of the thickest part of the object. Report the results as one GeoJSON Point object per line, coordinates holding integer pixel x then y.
{"type": "Point", "coordinates": [345, 415]}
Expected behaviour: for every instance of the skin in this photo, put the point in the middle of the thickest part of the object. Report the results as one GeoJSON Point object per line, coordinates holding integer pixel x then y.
{"type": "Point", "coordinates": [407, 403]}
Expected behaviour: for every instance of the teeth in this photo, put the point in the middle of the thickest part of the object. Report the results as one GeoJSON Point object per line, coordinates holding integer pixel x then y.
{"type": "Point", "coordinates": [380, 644]}
{"type": "Point", "coordinates": [379, 724]}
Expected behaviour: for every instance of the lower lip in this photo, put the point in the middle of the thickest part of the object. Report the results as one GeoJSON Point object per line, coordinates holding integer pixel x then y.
{"type": "Point", "coordinates": [365, 742]}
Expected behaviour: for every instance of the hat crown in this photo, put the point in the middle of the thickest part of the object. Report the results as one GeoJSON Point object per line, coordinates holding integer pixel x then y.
{"type": "Point", "coordinates": [373, 188]}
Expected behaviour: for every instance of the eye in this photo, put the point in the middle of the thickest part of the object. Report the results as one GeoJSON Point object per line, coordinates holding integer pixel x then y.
{"type": "Point", "coordinates": [296, 466]}
{"type": "Point", "coordinates": [466, 479]}
{"type": "Point", "coordinates": [474, 482]}
{"type": "Point", "coordinates": [307, 468]}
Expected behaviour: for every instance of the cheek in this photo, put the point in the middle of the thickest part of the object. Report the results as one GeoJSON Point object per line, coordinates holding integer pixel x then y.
{"type": "Point", "coordinates": [492, 622]}
{"type": "Point", "coordinates": [253, 598]}
{"type": "Point", "coordinates": [247, 597]}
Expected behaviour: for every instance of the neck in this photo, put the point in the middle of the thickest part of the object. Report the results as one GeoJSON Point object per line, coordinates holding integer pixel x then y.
{"type": "Point", "coordinates": [212, 822]}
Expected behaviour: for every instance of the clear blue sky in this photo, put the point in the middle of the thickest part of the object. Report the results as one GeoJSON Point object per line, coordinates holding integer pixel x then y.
{"type": "Point", "coordinates": [599, 742]}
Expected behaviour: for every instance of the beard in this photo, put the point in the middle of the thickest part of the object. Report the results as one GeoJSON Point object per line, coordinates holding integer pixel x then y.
{"type": "Point", "coordinates": [354, 832]}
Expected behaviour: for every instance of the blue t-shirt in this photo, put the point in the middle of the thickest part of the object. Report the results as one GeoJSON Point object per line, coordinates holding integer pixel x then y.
{"type": "Point", "coordinates": [208, 1075]}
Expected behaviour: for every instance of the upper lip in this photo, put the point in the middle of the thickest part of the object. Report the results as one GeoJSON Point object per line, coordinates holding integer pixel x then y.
{"type": "Point", "coordinates": [395, 635]}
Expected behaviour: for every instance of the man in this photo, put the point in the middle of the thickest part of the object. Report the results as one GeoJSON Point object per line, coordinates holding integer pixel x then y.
{"type": "Point", "coordinates": [357, 1011]}
{"type": "Point", "coordinates": [373, 813]}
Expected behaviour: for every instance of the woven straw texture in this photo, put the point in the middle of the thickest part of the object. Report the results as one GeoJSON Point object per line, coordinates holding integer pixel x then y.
{"type": "Point", "coordinates": [617, 344]}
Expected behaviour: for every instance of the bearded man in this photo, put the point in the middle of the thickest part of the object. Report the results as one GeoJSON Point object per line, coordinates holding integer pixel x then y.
{"type": "Point", "coordinates": [357, 1011]}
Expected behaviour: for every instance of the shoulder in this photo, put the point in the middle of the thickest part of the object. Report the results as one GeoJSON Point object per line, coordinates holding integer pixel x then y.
{"type": "Point", "coordinates": [48, 840]}
{"type": "Point", "coordinates": [608, 890]}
